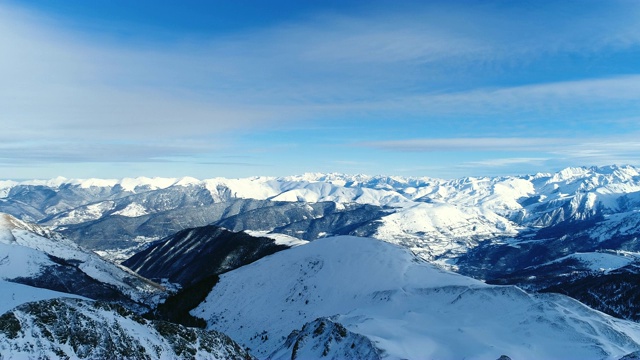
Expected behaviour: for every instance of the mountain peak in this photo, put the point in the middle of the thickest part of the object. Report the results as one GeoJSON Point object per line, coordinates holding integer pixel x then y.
{"type": "Point", "coordinates": [407, 307]}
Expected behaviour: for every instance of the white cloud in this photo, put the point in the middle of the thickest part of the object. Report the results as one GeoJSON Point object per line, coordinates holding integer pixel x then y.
{"type": "Point", "coordinates": [502, 162]}
{"type": "Point", "coordinates": [619, 92]}
{"type": "Point", "coordinates": [67, 96]}
{"type": "Point", "coordinates": [620, 150]}
{"type": "Point", "coordinates": [547, 151]}
{"type": "Point", "coordinates": [469, 144]}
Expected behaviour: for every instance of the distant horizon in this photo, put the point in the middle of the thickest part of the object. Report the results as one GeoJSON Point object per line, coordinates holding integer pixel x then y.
{"type": "Point", "coordinates": [62, 179]}
{"type": "Point", "coordinates": [115, 89]}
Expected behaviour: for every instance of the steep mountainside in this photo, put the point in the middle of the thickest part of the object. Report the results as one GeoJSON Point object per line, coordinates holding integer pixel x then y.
{"type": "Point", "coordinates": [194, 258]}
{"type": "Point", "coordinates": [194, 254]}
{"type": "Point", "coordinates": [80, 329]}
{"type": "Point", "coordinates": [58, 264]}
{"type": "Point", "coordinates": [406, 307]}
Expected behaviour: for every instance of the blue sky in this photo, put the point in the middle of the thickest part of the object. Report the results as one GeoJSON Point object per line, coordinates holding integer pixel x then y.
{"type": "Point", "coordinates": [114, 88]}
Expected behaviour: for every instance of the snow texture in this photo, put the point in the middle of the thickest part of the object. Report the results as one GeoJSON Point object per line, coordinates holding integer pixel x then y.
{"type": "Point", "coordinates": [405, 306]}
{"type": "Point", "coordinates": [13, 294]}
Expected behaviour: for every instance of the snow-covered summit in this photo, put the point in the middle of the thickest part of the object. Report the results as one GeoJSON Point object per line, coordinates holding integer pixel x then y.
{"type": "Point", "coordinates": [498, 193]}
{"type": "Point", "coordinates": [405, 306]}
{"type": "Point", "coordinates": [436, 215]}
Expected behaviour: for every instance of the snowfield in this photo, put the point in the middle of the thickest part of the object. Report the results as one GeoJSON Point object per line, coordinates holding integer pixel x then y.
{"type": "Point", "coordinates": [405, 306]}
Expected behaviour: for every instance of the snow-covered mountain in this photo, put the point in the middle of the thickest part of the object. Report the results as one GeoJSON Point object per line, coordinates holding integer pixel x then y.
{"type": "Point", "coordinates": [406, 307]}
{"type": "Point", "coordinates": [483, 227]}
{"type": "Point", "coordinates": [34, 256]}
{"type": "Point", "coordinates": [574, 232]}
{"type": "Point", "coordinates": [80, 329]}
{"type": "Point", "coordinates": [433, 216]}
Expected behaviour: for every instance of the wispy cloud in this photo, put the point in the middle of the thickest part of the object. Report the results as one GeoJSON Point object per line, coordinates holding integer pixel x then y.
{"type": "Point", "coordinates": [42, 152]}
{"type": "Point", "coordinates": [502, 162]}
{"type": "Point", "coordinates": [565, 151]}
{"type": "Point", "coordinates": [73, 97]}
{"type": "Point", "coordinates": [466, 144]}
{"type": "Point", "coordinates": [535, 101]}
{"type": "Point", "coordinates": [621, 150]}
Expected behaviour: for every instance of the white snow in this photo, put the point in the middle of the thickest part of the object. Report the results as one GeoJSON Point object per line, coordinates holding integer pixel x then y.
{"type": "Point", "coordinates": [13, 294]}
{"type": "Point", "coordinates": [431, 216]}
{"type": "Point", "coordinates": [132, 210]}
{"type": "Point", "coordinates": [435, 228]}
{"type": "Point", "coordinates": [408, 307]}
{"type": "Point", "coordinates": [127, 184]}
{"type": "Point", "coordinates": [5, 187]}
{"type": "Point", "coordinates": [19, 261]}
{"type": "Point", "coordinates": [280, 239]}
{"type": "Point", "coordinates": [600, 261]}
{"type": "Point", "coordinates": [86, 213]}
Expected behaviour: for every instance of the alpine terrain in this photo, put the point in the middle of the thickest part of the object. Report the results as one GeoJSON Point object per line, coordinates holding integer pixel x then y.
{"type": "Point", "coordinates": [323, 265]}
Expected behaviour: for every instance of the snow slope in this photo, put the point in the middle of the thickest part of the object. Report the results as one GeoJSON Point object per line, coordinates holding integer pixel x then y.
{"type": "Point", "coordinates": [407, 307]}
{"type": "Point", "coordinates": [600, 261]}
{"type": "Point", "coordinates": [434, 229]}
{"type": "Point", "coordinates": [25, 255]}
{"type": "Point", "coordinates": [280, 239]}
{"type": "Point", "coordinates": [13, 294]}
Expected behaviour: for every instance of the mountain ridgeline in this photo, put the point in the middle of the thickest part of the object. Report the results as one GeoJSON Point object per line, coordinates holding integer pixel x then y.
{"type": "Point", "coordinates": [288, 269]}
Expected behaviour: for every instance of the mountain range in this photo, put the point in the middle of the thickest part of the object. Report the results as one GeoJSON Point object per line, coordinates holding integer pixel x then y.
{"type": "Point", "coordinates": [339, 265]}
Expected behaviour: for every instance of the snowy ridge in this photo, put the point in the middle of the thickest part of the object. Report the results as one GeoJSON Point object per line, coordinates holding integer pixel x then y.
{"type": "Point", "coordinates": [497, 193]}
{"type": "Point", "coordinates": [436, 217]}
{"type": "Point", "coordinates": [25, 254]}
{"type": "Point", "coordinates": [13, 294]}
{"type": "Point", "coordinates": [405, 306]}
{"type": "Point", "coordinates": [127, 184]}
